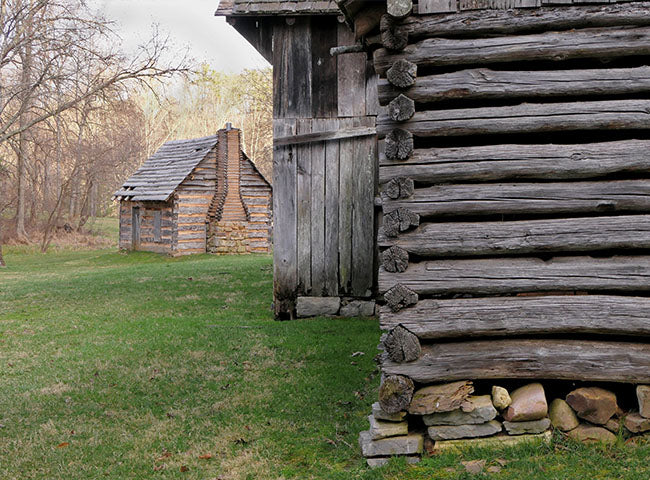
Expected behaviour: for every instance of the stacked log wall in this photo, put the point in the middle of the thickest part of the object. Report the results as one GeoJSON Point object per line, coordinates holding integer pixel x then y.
{"type": "Point", "coordinates": [257, 196]}
{"type": "Point", "coordinates": [514, 176]}
{"type": "Point", "coordinates": [149, 239]}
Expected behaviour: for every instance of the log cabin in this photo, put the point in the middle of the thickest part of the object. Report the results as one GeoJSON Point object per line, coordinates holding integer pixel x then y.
{"type": "Point", "coordinates": [201, 195]}
{"type": "Point", "coordinates": [512, 185]}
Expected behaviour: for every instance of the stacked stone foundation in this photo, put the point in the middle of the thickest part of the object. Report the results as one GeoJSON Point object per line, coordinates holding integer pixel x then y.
{"type": "Point", "coordinates": [228, 238]}
{"type": "Point", "coordinates": [410, 421]}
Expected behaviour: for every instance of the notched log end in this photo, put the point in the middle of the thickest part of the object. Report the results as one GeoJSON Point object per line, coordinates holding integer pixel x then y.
{"type": "Point", "coordinates": [400, 220]}
{"type": "Point", "coordinates": [400, 187]}
{"type": "Point", "coordinates": [401, 345]}
{"type": "Point", "coordinates": [401, 108]}
{"type": "Point", "coordinates": [395, 259]}
{"type": "Point", "coordinates": [399, 144]}
{"type": "Point", "coordinates": [399, 297]}
{"type": "Point", "coordinates": [395, 393]}
{"type": "Point", "coordinates": [399, 8]}
{"type": "Point", "coordinates": [402, 73]}
{"type": "Point", "coordinates": [393, 37]}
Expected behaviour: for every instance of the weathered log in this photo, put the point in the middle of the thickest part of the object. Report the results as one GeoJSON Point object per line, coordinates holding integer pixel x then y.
{"type": "Point", "coordinates": [556, 46]}
{"type": "Point", "coordinates": [399, 187]}
{"type": "Point", "coordinates": [506, 22]}
{"type": "Point", "coordinates": [515, 275]}
{"type": "Point", "coordinates": [401, 345]}
{"type": "Point", "coordinates": [399, 297]}
{"type": "Point", "coordinates": [392, 36]}
{"type": "Point", "coordinates": [401, 108]}
{"type": "Point", "coordinates": [395, 393]}
{"type": "Point", "coordinates": [399, 144]}
{"type": "Point", "coordinates": [399, 220]}
{"type": "Point", "coordinates": [459, 239]}
{"type": "Point", "coordinates": [501, 162]}
{"type": "Point", "coordinates": [508, 316]}
{"type": "Point", "coordinates": [527, 359]}
{"type": "Point", "coordinates": [399, 8]}
{"type": "Point", "coordinates": [486, 84]}
{"type": "Point", "coordinates": [525, 118]}
{"type": "Point", "coordinates": [526, 198]}
{"type": "Point", "coordinates": [344, 49]}
{"type": "Point", "coordinates": [395, 259]}
{"type": "Point", "coordinates": [368, 19]}
{"type": "Point", "coordinates": [402, 73]}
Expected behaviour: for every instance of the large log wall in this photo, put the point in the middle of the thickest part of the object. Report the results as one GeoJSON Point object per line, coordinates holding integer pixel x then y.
{"type": "Point", "coordinates": [153, 237]}
{"type": "Point", "coordinates": [514, 171]}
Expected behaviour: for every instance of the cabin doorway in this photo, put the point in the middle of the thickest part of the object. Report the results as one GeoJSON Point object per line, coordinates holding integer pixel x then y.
{"type": "Point", "coordinates": [135, 224]}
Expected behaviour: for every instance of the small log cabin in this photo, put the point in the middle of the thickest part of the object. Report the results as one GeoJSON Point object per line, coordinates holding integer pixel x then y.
{"type": "Point", "coordinates": [197, 196]}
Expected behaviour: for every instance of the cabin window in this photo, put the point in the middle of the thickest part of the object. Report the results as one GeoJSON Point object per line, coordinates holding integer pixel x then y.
{"type": "Point", "coordinates": [157, 224]}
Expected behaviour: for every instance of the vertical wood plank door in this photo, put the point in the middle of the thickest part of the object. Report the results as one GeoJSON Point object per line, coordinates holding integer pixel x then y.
{"type": "Point", "coordinates": [135, 225]}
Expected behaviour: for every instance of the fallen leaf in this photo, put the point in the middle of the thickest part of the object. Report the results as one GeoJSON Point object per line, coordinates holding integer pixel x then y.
{"type": "Point", "coordinates": [158, 468]}
{"type": "Point", "coordinates": [494, 469]}
{"type": "Point", "coordinates": [358, 354]}
{"type": "Point", "coordinates": [501, 461]}
{"type": "Point", "coordinates": [206, 456]}
{"type": "Point", "coordinates": [184, 468]}
{"type": "Point", "coordinates": [164, 456]}
{"type": "Point", "coordinates": [62, 445]}
{"type": "Point", "coordinates": [474, 466]}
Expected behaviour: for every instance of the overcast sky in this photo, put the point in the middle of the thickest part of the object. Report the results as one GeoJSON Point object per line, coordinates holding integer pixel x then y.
{"type": "Point", "coordinates": [190, 23]}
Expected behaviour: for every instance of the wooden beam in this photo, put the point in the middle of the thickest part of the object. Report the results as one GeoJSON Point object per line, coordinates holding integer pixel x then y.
{"type": "Point", "coordinates": [494, 22]}
{"type": "Point", "coordinates": [502, 162]}
{"type": "Point", "coordinates": [515, 275]}
{"type": "Point", "coordinates": [555, 46]}
{"type": "Point", "coordinates": [527, 359]}
{"type": "Point", "coordinates": [507, 316]}
{"type": "Point", "coordinates": [324, 136]}
{"type": "Point", "coordinates": [486, 84]}
{"type": "Point", "coordinates": [459, 239]}
{"type": "Point", "coordinates": [525, 198]}
{"type": "Point", "coordinates": [525, 118]}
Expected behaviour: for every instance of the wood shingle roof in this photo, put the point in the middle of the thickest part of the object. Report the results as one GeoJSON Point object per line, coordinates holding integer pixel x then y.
{"type": "Point", "coordinates": [277, 7]}
{"type": "Point", "coordinates": [166, 169]}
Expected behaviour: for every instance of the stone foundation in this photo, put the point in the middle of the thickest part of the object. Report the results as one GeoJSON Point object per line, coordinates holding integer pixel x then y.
{"type": "Point", "coordinates": [228, 238]}
{"type": "Point", "coordinates": [456, 415]}
{"type": "Point", "coordinates": [334, 307]}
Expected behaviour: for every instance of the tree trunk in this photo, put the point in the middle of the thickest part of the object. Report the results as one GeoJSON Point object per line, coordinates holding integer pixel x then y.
{"type": "Point", "coordinates": [2, 261]}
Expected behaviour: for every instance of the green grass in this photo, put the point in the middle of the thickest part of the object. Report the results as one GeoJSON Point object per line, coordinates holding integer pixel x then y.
{"type": "Point", "coordinates": [132, 366]}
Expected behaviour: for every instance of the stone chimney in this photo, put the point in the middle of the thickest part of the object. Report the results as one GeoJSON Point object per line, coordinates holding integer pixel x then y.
{"type": "Point", "coordinates": [228, 174]}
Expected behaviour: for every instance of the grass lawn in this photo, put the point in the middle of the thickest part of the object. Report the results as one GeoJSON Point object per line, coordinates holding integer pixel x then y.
{"type": "Point", "coordinates": [141, 366]}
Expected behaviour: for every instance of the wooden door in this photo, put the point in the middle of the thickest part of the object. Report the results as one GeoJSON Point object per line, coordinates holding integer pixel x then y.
{"type": "Point", "coordinates": [135, 225]}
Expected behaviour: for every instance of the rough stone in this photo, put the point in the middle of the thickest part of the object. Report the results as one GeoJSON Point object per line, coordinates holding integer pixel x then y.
{"type": "Point", "coordinates": [528, 403]}
{"type": "Point", "coordinates": [496, 441]}
{"type": "Point", "coordinates": [406, 445]}
{"type": "Point", "coordinates": [500, 397]}
{"type": "Point", "coordinates": [643, 395]}
{"type": "Point", "coordinates": [521, 428]}
{"type": "Point", "coordinates": [358, 308]}
{"type": "Point", "coordinates": [477, 410]}
{"type": "Point", "coordinates": [381, 461]}
{"type": "Point", "coordinates": [380, 429]}
{"type": "Point", "coordinates": [635, 423]}
{"type": "Point", "coordinates": [613, 425]}
{"type": "Point", "coordinates": [440, 398]}
{"type": "Point", "coordinates": [317, 306]}
{"type": "Point", "coordinates": [594, 404]}
{"type": "Point", "coordinates": [452, 432]}
{"type": "Point", "coordinates": [379, 414]}
{"type": "Point", "coordinates": [562, 416]}
{"type": "Point", "coordinates": [592, 434]}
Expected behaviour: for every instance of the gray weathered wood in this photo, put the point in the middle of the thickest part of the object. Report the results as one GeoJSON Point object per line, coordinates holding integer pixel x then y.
{"type": "Point", "coordinates": [346, 188]}
{"type": "Point", "coordinates": [399, 8]}
{"type": "Point", "coordinates": [399, 297]}
{"type": "Point", "coordinates": [572, 44]}
{"type": "Point", "coordinates": [514, 21]}
{"type": "Point", "coordinates": [318, 161]}
{"type": "Point", "coordinates": [399, 187]}
{"type": "Point", "coordinates": [401, 108]}
{"type": "Point", "coordinates": [313, 137]}
{"type": "Point", "coordinates": [331, 213]}
{"type": "Point", "coordinates": [392, 37]}
{"type": "Point", "coordinates": [437, 6]}
{"type": "Point", "coordinates": [399, 144]}
{"type": "Point", "coordinates": [351, 77]}
{"type": "Point", "coordinates": [402, 73]}
{"type": "Point", "coordinates": [401, 345]}
{"type": "Point", "coordinates": [501, 162]}
{"type": "Point", "coordinates": [399, 220]}
{"type": "Point", "coordinates": [525, 198]}
{"type": "Point", "coordinates": [483, 83]}
{"type": "Point", "coordinates": [395, 393]}
{"type": "Point", "coordinates": [395, 259]}
{"type": "Point", "coordinates": [526, 359]}
{"type": "Point", "coordinates": [459, 239]}
{"type": "Point", "coordinates": [515, 275]}
{"type": "Point", "coordinates": [303, 211]}
{"type": "Point", "coordinates": [524, 118]}
{"type": "Point", "coordinates": [507, 316]}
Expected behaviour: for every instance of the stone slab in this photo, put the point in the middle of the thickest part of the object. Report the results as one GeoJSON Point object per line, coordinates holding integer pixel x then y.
{"type": "Point", "coordinates": [592, 434]}
{"type": "Point", "coordinates": [594, 404]}
{"type": "Point", "coordinates": [380, 429]}
{"type": "Point", "coordinates": [440, 398]}
{"type": "Point", "coordinates": [317, 306]}
{"type": "Point", "coordinates": [635, 423]}
{"type": "Point", "coordinates": [562, 415]}
{"type": "Point", "coordinates": [643, 395]}
{"type": "Point", "coordinates": [531, 427]}
{"type": "Point", "coordinates": [386, 447]}
{"type": "Point", "coordinates": [475, 410]}
{"type": "Point", "coordinates": [528, 403]}
{"type": "Point", "coordinates": [495, 441]}
{"type": "Point", "coordinates": [381, 461]}
{"type": "Point", "coordinates": [358, 308]}
{"type": "Point", "coordinates": [453, 432]}
{"type": "Point", "coordinates": [380, 414]}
